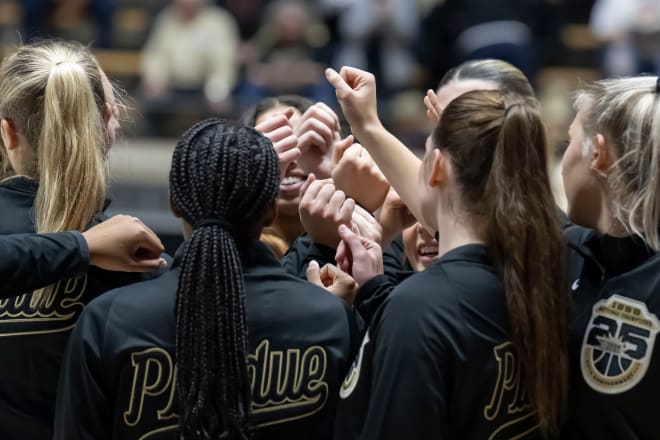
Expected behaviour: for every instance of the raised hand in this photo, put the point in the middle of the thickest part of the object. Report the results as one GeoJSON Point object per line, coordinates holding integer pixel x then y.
{"type": "Point", "coordinates": [322, 209]}
{"type": "Point", "coordinates": [278, 129]}
{"type": "Point", "coordinates": [356, 93]}
{"type": "Point", "coordinates": [358, 256]}
{"type": "Point", "coordinates": [318, 131]}
{"type": "Point", "coordinates": [433, 107]}
{"type": "Point", "coordinates": [360, 178]}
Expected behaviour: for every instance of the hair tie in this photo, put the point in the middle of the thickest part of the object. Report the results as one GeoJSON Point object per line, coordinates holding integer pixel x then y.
{"type": "Point", "coordinates": [509, 107]}
{"type": "Point", "coordinates": [221, 222]}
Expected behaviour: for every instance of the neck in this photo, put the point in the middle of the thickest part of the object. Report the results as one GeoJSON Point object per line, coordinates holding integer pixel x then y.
{"type": "Point", "coordinates": [607, 223]}
{"type": "Point", "coordinates": [288, 227]}
{"type": "Point", "coordinates": [454, 233]}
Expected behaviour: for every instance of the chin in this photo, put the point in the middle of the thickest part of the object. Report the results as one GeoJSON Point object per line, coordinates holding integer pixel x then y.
{"type": "Point", "coordinates": [288, 207]}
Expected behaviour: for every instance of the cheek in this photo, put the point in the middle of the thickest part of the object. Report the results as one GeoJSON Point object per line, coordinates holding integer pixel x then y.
{"type": "Point", "coordinates": [410, 246]}
{"type": "Point", "coordinates": [582, 190]}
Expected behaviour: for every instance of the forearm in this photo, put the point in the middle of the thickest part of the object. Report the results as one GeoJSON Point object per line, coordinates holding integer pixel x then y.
{"type": "Point", "coordinates": [399, 165]}
{"type": "Point", "coordinates": [31, 261]}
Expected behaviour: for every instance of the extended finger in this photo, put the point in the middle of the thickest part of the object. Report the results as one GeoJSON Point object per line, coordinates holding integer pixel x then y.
{"type": "Point", "coordinates": [338, 82]}
{"type": "Point", "coordinates": [279, 133]}
{"type": "Point", "coordinates": [346, 211]}
{"type": "Point", "coordinates": [326, 192]}
{"type": "Point", "coordinates": [314, 124]}
{"type": "Point", "coordinates": [314, 273]}
{"type": "Point", "coordinates": [313, 189]}
{"type": "Point", "coordinates": [276, 121]}
{"type": "Point", "coordinates": [309, 138]}
{"type": "Point", "coordinates": [342, 146]}
{"type": "Point", "coordinates": [336, 202]}
{"type": "Point", "coordinates": [311, 178]}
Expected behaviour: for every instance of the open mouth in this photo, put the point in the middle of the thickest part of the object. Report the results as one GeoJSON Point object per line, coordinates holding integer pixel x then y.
{"type": "Point", "coordinates": [290, 186]}
{"type": "Point", "coordinates": [427, 253]}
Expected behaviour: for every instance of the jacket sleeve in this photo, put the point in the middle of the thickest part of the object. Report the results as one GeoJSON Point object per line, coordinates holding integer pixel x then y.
{"type": "Point", "coordinates": [301, 252]}
{"type": "Point", "coordinates": [31, 261]}
{"type": "Point", "coordinates": [408, 386]}
{"type": "Point", "coordinates": [83, 409]}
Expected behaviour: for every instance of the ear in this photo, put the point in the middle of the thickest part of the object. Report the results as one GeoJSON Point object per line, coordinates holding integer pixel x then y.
{"type": "Point", "coordinates": [107, 113]}
{"type": "Point", "coordinates": [601, 157]}
{"type": "Point", "coordinates": [10, 137]}
{"type": "Point", "coordinates": [439, 169]}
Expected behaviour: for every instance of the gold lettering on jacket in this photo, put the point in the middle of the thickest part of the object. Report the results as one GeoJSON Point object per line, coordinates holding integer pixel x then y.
{"type": "Point", "coordinates": [286, 385]}
{"type": "Point", "coordinates": [509, 401]}
{"type": "Point", "coordinates": [21, 315]}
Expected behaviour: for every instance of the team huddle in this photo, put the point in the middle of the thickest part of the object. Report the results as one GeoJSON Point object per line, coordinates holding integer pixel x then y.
{"type": "Point", "coordinates": [327, 288]}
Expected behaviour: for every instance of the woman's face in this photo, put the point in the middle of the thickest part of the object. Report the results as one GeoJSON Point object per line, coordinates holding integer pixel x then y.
{"type": "Point", "coordinates": [289, 195]}
{"type": "Point", "coordinates": [420, 248]}
{"type": "Point", "coordinates": [428, 196]}
{"type": "Point", "coordinates": [582, 189]}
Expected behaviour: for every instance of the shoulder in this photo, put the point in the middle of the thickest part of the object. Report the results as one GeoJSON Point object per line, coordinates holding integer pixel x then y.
{"type": "Point", "coordinates": [135, 306]}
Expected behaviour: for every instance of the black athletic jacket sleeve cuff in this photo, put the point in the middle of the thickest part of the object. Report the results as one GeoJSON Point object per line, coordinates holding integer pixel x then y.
{"type": "Point", "coordinates": [372, 295]}
{"type": "Point", "coordinates": [31, 261]}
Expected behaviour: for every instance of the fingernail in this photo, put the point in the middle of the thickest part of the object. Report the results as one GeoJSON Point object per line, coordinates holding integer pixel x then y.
{"type": "Point", "coordinates": [343, 228]}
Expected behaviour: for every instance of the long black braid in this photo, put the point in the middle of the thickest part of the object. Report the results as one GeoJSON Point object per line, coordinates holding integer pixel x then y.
{"type": "Point", "coordinates": [223, 178]}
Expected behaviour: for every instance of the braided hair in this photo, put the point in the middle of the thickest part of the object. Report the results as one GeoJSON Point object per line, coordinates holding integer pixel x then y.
{"type": "Point", "coordinates": [223, 178]}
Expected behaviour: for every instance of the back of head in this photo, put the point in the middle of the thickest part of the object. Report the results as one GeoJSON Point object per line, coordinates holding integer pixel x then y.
{"type": "Point", "coordinates": [53, 94]}
{"type": "Point", "coordinates": [496, 147]}
{"type": "Point", "coordinates": [223, 179]}
{"type": "Point", "coordinates": [627, 113]}
{"type": "Point", "coordinates": [505, 76]}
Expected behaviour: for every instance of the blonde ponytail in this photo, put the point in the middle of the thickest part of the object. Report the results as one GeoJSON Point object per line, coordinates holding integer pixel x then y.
{"type": "Point", "coordinates": [70, 163]}
{"type": "Point", "coordinates": [53, 93]}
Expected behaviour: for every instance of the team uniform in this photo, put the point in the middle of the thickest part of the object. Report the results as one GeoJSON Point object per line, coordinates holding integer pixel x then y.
{"type": "Point", "coordinates": [119, 380]}
{"type": "Point", "coordinates": [615, 364]}
{"type": "Point", "coordinates": [33, 335]}
{"type": "Point", "coordinates": [437, 361]}
{"type": "Point", "coordinates": [31, 261]}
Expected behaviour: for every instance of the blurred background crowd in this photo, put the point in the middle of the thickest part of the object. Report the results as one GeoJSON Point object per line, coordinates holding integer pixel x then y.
{"type": "Point", "coordinates": [182, 60]}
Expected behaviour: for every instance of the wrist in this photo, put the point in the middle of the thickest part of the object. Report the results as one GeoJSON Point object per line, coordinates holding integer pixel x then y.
{"type": "Point", "coordinates": [368, 130]}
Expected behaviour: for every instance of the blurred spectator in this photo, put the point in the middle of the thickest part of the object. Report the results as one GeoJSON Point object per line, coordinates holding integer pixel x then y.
{"type": "Point", "coordinates": [377, 35]}
{"type": "Point", "coordinates": [42, 18]}
{"type": "Point", "coordinates": [287, 60]}
{"type": "Point", "coordinates": [520, 32]}
{"type": "Point", "coordinates": [630, 31]}
{"type": "Point", "coordinates": [189, 58]}
{"type": "Point", "coordinates": [247, 14]}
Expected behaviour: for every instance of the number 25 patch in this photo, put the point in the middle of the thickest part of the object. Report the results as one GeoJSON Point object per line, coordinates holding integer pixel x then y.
{"type": "Point", "coordinates": [618, 344]}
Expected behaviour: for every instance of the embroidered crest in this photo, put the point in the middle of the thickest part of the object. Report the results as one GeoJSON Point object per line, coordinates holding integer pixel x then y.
{"type": "Point", "coordinates": [618, 344]}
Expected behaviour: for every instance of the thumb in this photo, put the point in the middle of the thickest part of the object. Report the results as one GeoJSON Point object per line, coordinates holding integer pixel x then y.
{"type": "Point", "coordinates": [314, 273]}
{"type": "Point", "coordinates": [352, 240]}
{"type": "Point", "coordinates": [342, 146]}
{"type": "Point", "coordinates": [310, 179]}
{"type": "Point", "coordinates": [337, 82]}
{"type": "Point", "coordinates": [150, 265]}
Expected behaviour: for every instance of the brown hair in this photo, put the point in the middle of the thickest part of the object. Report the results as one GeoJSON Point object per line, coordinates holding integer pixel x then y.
{"type": "Point", "coordinates": [505, 76]}
{"type": "Point", "coordinates": [497, 150]}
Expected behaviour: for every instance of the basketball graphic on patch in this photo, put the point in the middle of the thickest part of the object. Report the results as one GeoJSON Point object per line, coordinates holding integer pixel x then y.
{"type": "Point", "coordinates": [618, 344]}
